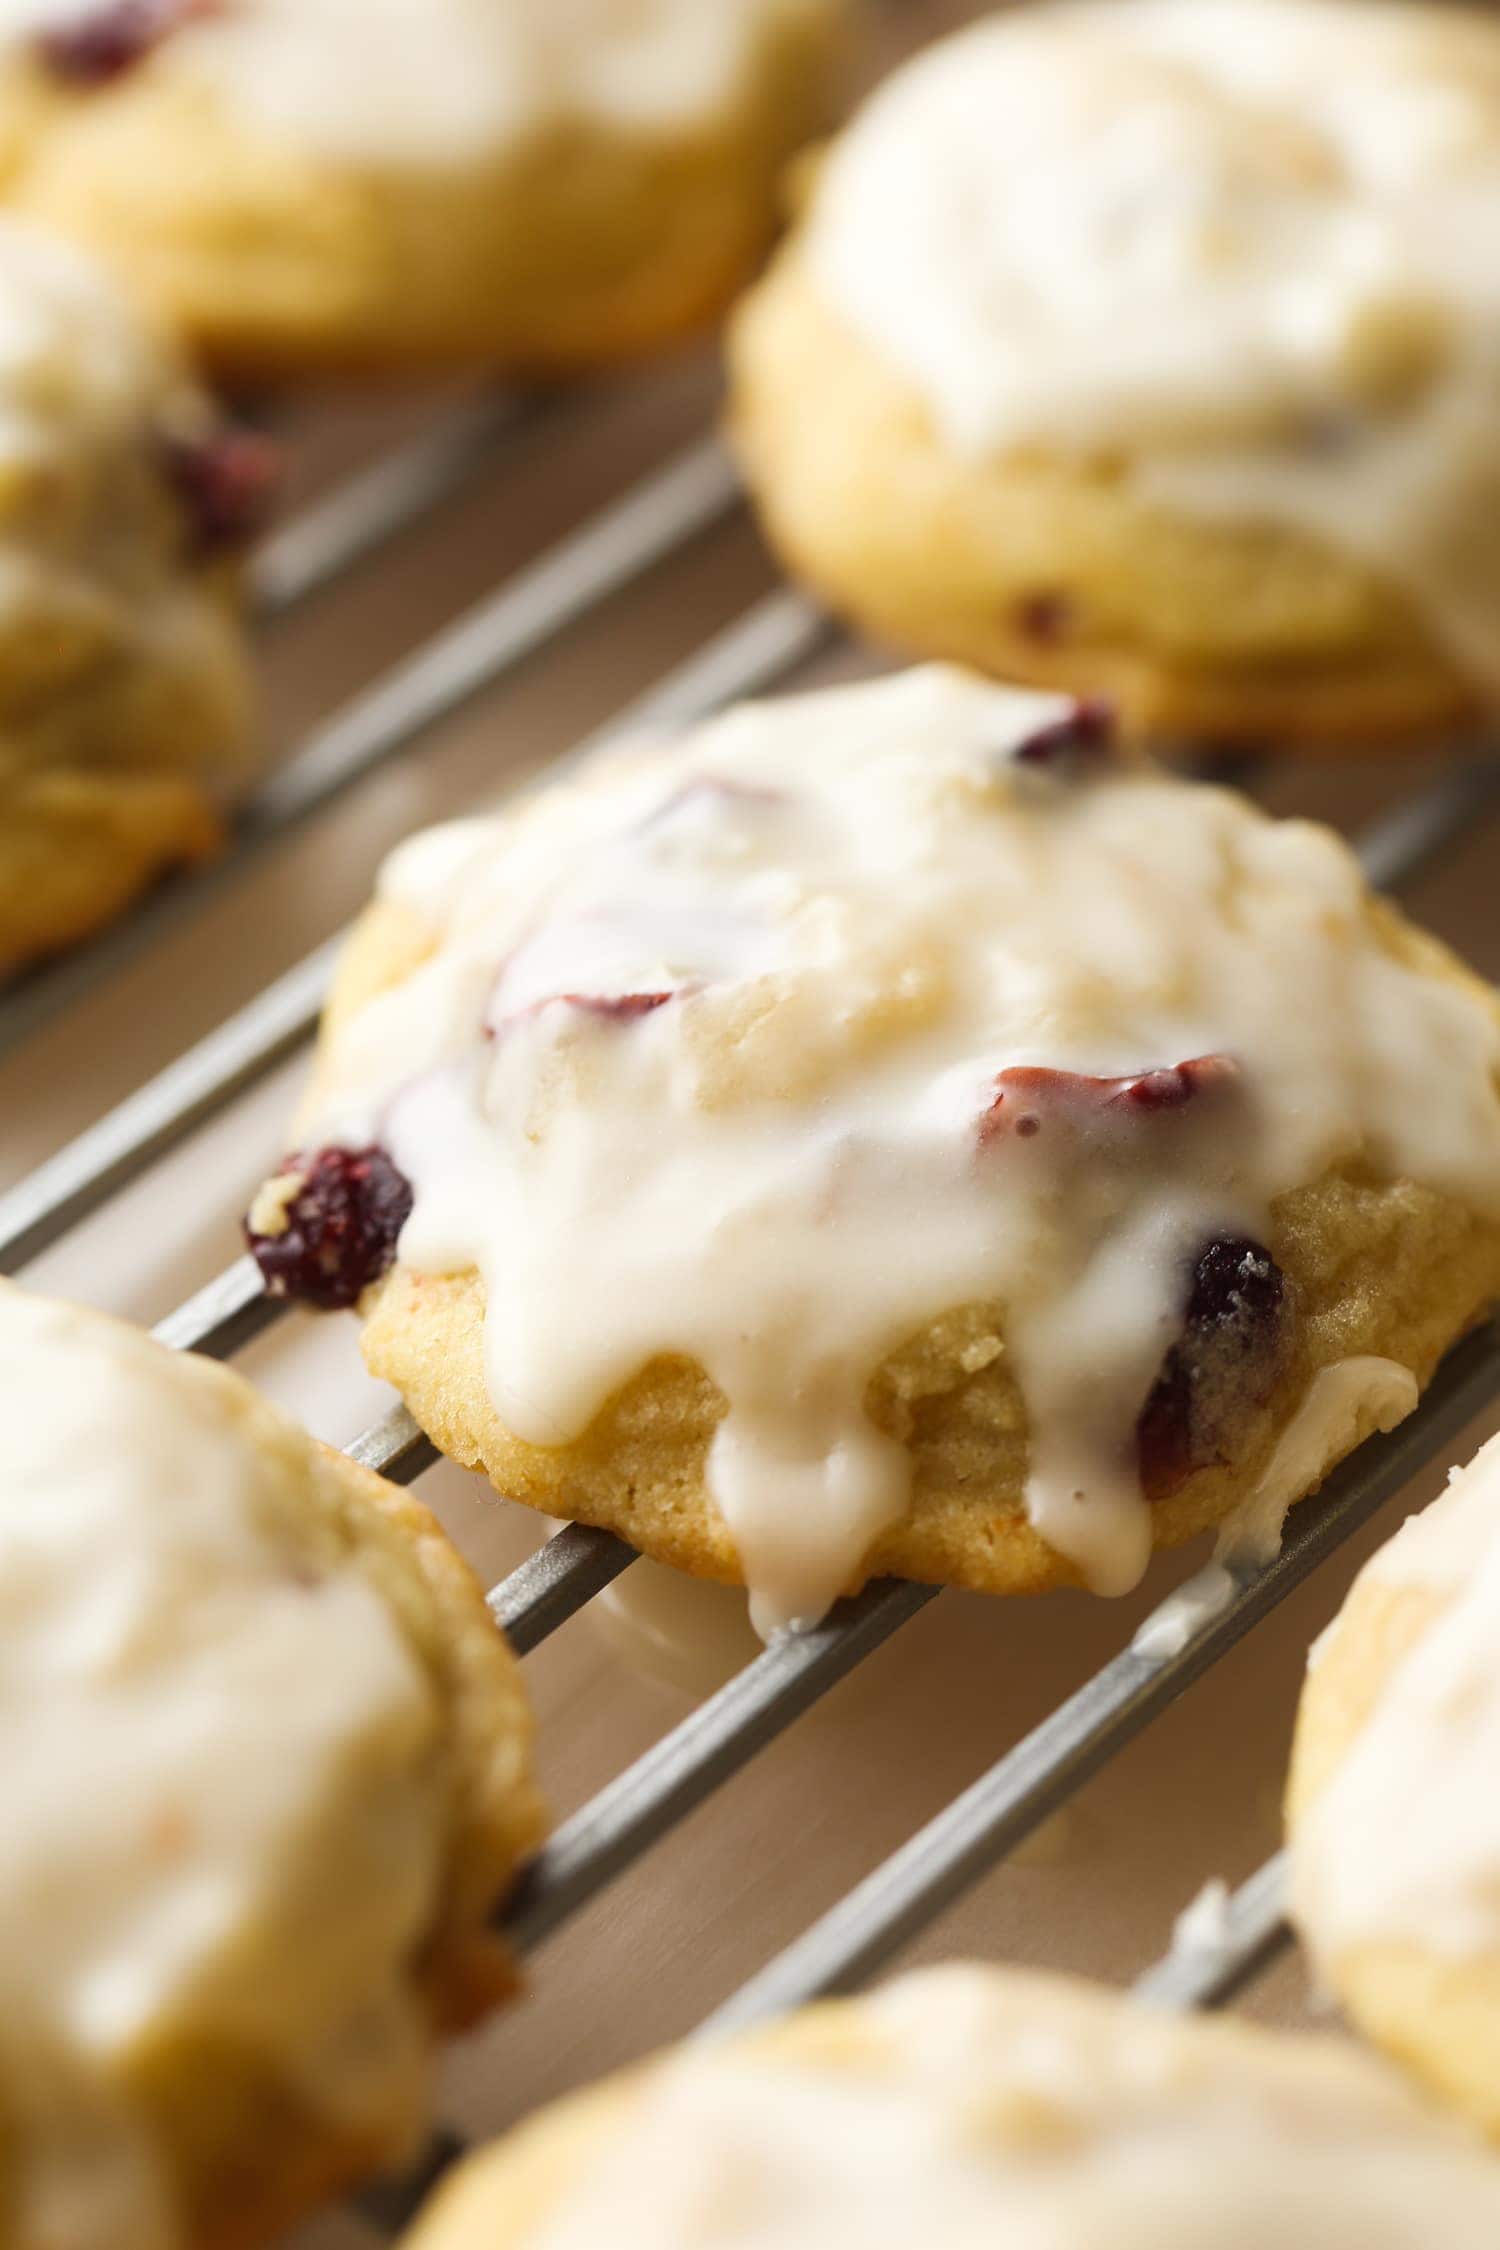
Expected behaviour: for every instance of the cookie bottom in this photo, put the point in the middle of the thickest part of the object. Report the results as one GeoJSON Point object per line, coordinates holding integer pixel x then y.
{"type": "Point", "coordinates": [1056, 573]}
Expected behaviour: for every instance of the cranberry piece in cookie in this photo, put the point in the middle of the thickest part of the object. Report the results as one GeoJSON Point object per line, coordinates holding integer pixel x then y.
{"type": "Point", "coordinates": [1234, 1333]}
{"type": "Point", "coordinates": [617, 1007]}
{"type": "Point", "coordinates": [1045, 618]}
{"type": "Point", "coordinates": [1029, 1095]}
{"type": "Point", "coordinates": [326, 1226]}
{"type": "Point", "coordinates": [100, 44]}
{"type": "Point", "coordinates": [1084, 733]}
{"type": "Point", "coordinates": [226, 481]}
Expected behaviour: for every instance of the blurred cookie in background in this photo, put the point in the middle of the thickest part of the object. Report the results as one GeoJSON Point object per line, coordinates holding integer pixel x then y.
{"type": "Point", "coordinates": [268, 1773]}
{"type": "Point", "coordinates": [969, 2106]}
{"type": "Point", "coordinates": [1395, 1840]}
{"type": "Point", "coordinates": [354, 186]}
{"type": "Point", "coordinates": [126, 499]}
{"type": "Point", "coordinates": [1153, 349]}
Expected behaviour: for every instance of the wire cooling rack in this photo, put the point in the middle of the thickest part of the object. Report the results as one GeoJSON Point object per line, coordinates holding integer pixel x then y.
{"type": "Point", "coordinates": [686, 493]}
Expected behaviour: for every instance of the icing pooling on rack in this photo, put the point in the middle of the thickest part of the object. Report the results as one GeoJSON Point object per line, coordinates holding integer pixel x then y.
{"type": "Point", "coordinates": [441, 81]}
{"type": "Point", "coordinates": [970, 2109]}
{"type": "Point", "coordinates": [706, 1063]}
{"type": "Point", "coordinates": [218, 1757]}
{"type": "Point", "coordinates": [1250, 246]}
{"type": "Point", "coordinates": [1403, 1843]}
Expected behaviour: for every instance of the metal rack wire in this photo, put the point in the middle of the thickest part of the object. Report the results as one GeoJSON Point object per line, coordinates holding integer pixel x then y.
{"type": "Point", "coordinates": [691, 491]}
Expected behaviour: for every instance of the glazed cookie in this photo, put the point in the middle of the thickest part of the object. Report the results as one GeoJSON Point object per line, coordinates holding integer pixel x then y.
{"type": "Point", "coordinates": [330, 185]}
{"type": "Point", "coordinates": [124, 686]}
{"type": "Point", "coordinates": [896, 1130]}
{"type": "Point", "coordinates": [971, 2107]}
{"type": "Point", "coordinates": [267, 1772]}
{"type": "Point", "coordinates": [1391, 1808]}
{"type": "Point", "coordinates": [1154, 349]}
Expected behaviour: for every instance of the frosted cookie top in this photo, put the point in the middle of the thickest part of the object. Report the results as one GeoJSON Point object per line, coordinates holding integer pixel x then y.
{"type": "Point", "coordinates": [966, 2107]}
{"type": "Point", "coordinates": [78, 368]}
{"type": "Point", "coordinates": [1253, 246]}
{"type": "Point", "coordinates": [425, 81]}
{"type": "Point", "coordinates": [221, 1758]}
{"type": "Point", "coordinates": [93, 406]}
{"type": "Point", "coordinates": [857, 1008]}
{"type": "Point", "coordinates": [1402, 1845]}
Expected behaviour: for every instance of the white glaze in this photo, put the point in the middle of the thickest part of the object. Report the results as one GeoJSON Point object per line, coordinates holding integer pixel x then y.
{"type": "Point", "coordinates": [1177, 1620]}
{"type": "Point", "coordinates": [864, 911]}
{"type": "Point", "coordinates": [1403, 1843]}
{"type": "Point", "coordinates": [1343, 1401]}
{"type": "Point", "coordinates": [1203, 1926]}
{"type": "Point", "coordinates": [1249, 245]}
{"type": "Point", "coordinates": [220, 1818]}
{"type": "Point", "coordinates": [442, 82]}
{"type": "Point", "coordinates": [993, 2109]}
{"type": "Point", "coordinates": [1350, 1397]}
{"type": "Point", "coordinates": [80, 374]}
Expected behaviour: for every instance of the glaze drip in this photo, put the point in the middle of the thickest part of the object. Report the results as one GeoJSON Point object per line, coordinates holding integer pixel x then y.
{"type": "Point", "coordinates": [223, 1769]}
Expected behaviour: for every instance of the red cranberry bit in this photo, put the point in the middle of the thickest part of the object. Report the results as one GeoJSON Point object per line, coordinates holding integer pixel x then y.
{"type": "Point", "coordinates": [1234, 1334]}
{"type": "Point", "coordinates": [1045, 618]}
{"type": "Point", "coordinates": [1086, 732]}
{"type": "Point", "coordinates": [226, 482]}
{"type": "Point", "coordinates": [608, 1007]}
{"type": "Point", "coordinates": [100, 44]}
{"type": "Point", "coordinates": [616, 1007]}
{"type": "Point", "coordinates": [342, 1218]}
{"type": "Point", "coordinates": [1028, 1093]}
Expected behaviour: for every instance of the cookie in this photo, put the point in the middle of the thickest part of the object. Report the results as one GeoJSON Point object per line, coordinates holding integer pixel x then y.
{"type": "Point", "coordinates": [896, 1130]}
{"type": "Point", "coordinates": [125, 702]}
{"type": "Point", "coordinates": [966, 2106]}
{"type": "Point", "coordinates": [1153, 349]}
{"type": "Point", "coordinates": [1395, 1848]}
{"type": "Point", "coordinates": [268, 1771]}
{"type": "Point", "coordinates": [330, 186]}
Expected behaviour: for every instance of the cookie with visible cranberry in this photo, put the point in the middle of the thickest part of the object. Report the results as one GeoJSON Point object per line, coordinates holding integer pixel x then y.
{"type": "Point", "coordinates": [125, 698]}
{"type": "Point", "coordinates": [1032, 386]}
{"type": "Point", "coordinates": [310, 186]}
{"type": "Point", "coordinates": [896, 1129]}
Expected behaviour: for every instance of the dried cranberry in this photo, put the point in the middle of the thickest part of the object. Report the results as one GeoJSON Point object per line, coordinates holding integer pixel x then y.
{"type": "Point", "coordinates": [226, 482]}
{"type": "Point", "coordinates": [343, 1211]}
{"type": "Point", "coordinates": [100, 44]}
{"type": "Point", "coordinates": [1233, 1340]}
{"type": "Point", "coordinates": [617, 1007]}
{"type": "Point", "coordinates": [1087, 731]}
{"type": "Point", "coordinates": [1026, 1094]}
{"type": "Point", "coordinates": [1046, 618]}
